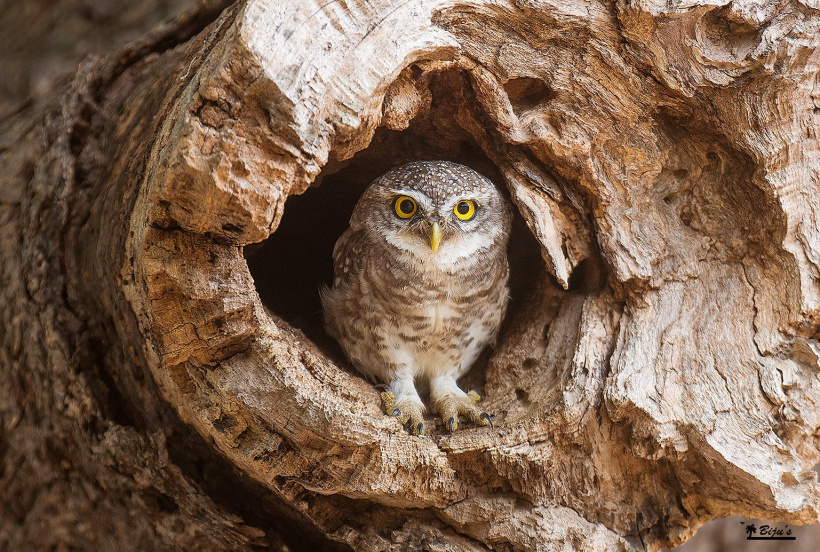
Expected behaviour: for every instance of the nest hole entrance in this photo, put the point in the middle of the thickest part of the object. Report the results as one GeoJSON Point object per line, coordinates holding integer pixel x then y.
{"type": "Point", "coordinates": [296, 261]}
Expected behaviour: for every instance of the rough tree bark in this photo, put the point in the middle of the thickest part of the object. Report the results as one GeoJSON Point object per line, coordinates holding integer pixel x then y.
{"type": "Point", "coordinates": [660, 365]}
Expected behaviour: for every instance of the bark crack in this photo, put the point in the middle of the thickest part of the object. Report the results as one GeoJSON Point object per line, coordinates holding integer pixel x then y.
{"type": "Point", "coordinates": [754, 307]}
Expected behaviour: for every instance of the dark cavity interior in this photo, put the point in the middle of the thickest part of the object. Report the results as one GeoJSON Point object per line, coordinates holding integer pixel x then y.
{"type": "Point", "coordinates": [289, 267]}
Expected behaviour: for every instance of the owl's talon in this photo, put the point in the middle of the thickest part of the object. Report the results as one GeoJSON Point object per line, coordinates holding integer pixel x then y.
{"type": "Point", "coordinates": [405, 411]}
{"type": "Point", "coordinates": [485, 416]}
{"type": "Point", "coordinates": [451, 406]}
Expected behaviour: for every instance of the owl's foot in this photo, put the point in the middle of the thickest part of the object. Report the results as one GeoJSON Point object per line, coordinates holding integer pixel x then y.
{"type": "Point", "coordinates": [405, 411]}
{"type": "Point", "coordinates": [451, 406]}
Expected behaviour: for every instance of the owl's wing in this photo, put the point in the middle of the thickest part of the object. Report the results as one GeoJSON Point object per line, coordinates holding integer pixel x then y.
{"type": "Point", "coordinates": [348, 255]}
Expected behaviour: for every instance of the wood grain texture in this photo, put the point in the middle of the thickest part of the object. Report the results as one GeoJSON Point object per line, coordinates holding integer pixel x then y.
{"type": "Point", "coordinates": [672, 151]}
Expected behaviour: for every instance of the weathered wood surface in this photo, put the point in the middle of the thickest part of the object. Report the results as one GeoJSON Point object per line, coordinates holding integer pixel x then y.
{"type": "Point", "coordinates": [675, 148]}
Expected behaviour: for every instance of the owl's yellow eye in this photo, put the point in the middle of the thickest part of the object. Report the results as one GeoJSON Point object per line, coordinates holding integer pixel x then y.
{"type": "Point", "coordinates": [465, 209]}
{"type": "Point", "coordinates": [405, 207]}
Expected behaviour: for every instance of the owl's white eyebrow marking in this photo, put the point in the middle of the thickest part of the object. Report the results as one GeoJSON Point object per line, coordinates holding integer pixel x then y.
{"type": "Point", "coordinates": [424, 202]}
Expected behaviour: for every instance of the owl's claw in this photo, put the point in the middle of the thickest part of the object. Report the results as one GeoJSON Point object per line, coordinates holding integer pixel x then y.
{"type": "Point", "coordinates": [487, 417]}
{"type": "Point", "coordinates": [404, 412]}
{"type": "Point", "coordinates": [450, 407]}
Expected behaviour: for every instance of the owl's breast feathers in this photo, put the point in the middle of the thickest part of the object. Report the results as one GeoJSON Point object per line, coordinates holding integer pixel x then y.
{"type": "Point", "coordinates": [386, 305]}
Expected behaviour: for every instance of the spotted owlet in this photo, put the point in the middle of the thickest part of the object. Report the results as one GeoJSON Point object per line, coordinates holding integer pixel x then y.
{"type": "Point", "coordinates": [420, 285]}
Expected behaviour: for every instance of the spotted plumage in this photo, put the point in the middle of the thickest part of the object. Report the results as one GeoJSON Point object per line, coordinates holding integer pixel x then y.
{"type": "Point", "coordinates": [420, 285]}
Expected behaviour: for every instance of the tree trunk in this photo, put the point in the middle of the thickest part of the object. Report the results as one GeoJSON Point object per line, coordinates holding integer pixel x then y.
{"type": "Point", "coordinates": [169, 383]}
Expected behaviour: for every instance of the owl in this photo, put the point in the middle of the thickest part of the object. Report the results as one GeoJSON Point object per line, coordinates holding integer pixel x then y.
{"type": "Point", "coordinates": [420, 286]}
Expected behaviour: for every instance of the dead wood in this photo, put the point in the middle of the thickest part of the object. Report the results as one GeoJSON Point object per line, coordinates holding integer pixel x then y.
{"type": "Point", "coordinates": [660, 365]}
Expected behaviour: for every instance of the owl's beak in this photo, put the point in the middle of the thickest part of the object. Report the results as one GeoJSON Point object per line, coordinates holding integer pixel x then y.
{"type": "Point", "coordinates": [435, 236]}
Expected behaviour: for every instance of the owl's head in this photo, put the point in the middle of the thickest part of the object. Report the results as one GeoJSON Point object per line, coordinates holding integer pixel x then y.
{"type": "Point", "coordinates": [435, 210]}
